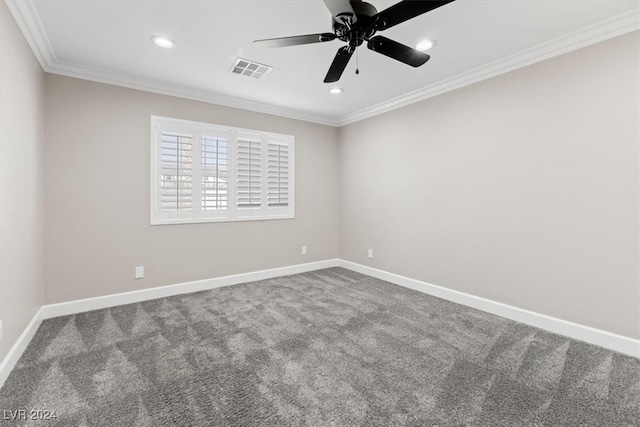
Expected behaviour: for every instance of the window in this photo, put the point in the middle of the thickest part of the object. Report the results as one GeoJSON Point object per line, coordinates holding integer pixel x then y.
{"type": "Point", "coordinates": [206, 173]}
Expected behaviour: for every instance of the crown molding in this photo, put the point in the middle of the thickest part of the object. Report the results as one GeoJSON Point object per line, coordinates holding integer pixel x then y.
{"type": "Point", "coordinates": [601, 31]}
{"type": "Point", "coordinates": [28, 20]}
{"type": "Point", "coordinates": [163, 88]}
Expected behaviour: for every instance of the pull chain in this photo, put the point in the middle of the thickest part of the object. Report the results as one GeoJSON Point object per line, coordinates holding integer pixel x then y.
{"type": "Point", "coordinates": [357, 62]}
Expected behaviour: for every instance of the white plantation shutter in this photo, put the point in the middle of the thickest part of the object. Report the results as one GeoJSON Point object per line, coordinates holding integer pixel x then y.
{"type": "Point", "coordinates": [277, 174]}
{"type": "Point", "coordinates": [207, 173]}
{"type": "Point", "coordinates": [176, 169]}
{"type": "Point", "coordinates": [215, 173]}
{"type": "Point", "coordinates": [249, 173]}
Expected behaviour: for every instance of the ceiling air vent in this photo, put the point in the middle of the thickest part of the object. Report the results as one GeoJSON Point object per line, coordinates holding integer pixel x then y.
{"type": "Point", "coordinates": [250, 69]}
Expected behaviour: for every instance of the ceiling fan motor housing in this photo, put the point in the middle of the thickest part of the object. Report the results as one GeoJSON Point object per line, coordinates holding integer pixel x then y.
{"type": "Point", "coordinates": [364, 27]}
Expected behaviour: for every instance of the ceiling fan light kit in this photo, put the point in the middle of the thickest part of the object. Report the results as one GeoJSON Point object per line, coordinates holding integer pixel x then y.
{"type": "Point", "coordinates": [356, 22]}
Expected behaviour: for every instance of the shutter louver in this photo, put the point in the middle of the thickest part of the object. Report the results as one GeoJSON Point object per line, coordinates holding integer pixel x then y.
{"type": "Point", "coordinates": [249, 174]}
{"type": "Point", "coordinates": [176, 169]}
{"type": "Point", "coordinates": [277, 175]}
{"type": "Point", "coordinates": [215, 173]}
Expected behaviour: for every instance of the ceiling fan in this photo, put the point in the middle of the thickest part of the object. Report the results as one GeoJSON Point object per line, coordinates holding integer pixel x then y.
{"type": "Point", "coordinates": [354, 22]}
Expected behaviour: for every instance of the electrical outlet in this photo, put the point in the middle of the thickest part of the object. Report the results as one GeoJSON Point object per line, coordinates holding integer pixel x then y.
{"type": "Point", "coordinates": [304, 250]}
{"type": "Point", "coordinates": [140, 272]}
{"type": "Point", "coordinates": [370, 253]}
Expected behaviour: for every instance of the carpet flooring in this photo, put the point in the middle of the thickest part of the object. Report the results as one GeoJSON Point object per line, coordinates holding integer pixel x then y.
{"type": "Point", "coordinates": [325, 348]}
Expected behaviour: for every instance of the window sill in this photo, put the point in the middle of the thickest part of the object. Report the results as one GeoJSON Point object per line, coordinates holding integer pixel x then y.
{"type": "Point", "coordinates": [183, 221]}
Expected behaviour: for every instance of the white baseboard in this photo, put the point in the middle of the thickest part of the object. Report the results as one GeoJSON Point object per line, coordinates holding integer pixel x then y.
{"type": "Point", "coordinates": [598, 337]}
{"type": "Point", "coordinates": [588, 334]}
{"type": "Point", "coordinates": [10, 360]}
{"type": "Point", "coordinates": [88, 304]}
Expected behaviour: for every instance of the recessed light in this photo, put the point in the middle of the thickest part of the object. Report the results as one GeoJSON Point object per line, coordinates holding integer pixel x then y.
{"type": "Point", "coordinates": [163, 42]}
{"type": "Point", "coordinates": [425, 45]}
{"type": "Point", "coordinates": [336, 90]}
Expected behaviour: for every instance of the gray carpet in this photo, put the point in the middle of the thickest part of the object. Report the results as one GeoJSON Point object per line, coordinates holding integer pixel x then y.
{"type": "Point", "coordinates": [326, 348]}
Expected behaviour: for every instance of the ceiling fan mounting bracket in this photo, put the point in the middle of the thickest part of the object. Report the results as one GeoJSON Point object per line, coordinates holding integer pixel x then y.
{"type": "Point", "coordinates": [379, 23]}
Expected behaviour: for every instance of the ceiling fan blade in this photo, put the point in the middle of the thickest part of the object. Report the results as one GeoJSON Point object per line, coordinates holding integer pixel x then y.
{"type": "Point", "coordinates": [404, 11]}
{"type": "Point", "coordinates": [337, 7]}
{"type": "Point", "coordinates": [295, 40]}
{"type": "Point", "coordinates": [338, 65]}
{"type": "Point", "coordinates": [397, 51]}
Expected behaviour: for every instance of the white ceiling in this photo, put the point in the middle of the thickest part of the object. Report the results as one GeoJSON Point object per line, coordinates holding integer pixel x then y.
{"type": "Point", "coordinates": [110, 41]}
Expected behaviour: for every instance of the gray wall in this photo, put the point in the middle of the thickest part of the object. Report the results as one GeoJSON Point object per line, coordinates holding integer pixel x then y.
{"type": "Point", "coordinates": [97, 196]}
{"type": "Point", "coordinates": [522, 189]}
{"type": "Point", "coordinates": [21, 182]}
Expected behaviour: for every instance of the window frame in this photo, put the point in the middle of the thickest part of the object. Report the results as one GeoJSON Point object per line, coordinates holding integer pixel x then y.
{"type": "Point", "coordinates": [233, 213]}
